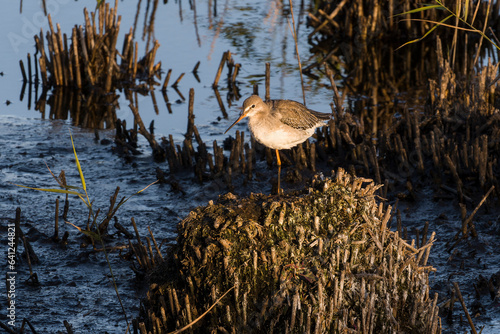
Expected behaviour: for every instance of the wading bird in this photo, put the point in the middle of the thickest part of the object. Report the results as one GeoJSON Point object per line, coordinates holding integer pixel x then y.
{"type": "Point", "coordinates": [280, 124]}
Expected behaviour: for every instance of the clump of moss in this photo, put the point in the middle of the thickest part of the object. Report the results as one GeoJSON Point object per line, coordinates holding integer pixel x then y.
{"type": "Point", "coordinates": [323, 261]}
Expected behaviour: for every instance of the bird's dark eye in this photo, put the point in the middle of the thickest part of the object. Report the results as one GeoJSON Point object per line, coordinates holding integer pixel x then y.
{"type": "Point", "coordinates": [253, 105]}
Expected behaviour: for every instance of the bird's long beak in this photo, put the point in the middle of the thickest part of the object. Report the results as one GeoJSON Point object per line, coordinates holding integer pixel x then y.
{"type": "Point", "coordinates": [243, 115]}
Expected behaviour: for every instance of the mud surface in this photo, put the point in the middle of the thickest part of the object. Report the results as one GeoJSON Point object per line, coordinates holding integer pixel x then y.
{"type": "Point", "coordinates": [75, 284]}
{"type": "Point", "coordinates": [74, 281]}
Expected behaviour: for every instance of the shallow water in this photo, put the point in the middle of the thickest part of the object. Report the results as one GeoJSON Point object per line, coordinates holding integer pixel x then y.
{"type": "Point", "coordinates": [254, 31]}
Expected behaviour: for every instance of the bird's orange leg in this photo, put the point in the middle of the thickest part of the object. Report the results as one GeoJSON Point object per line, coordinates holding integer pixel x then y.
{"type": "Point", "coordinates": [278, 157]}
{"type": "Point", "coordinates": [280, 191]}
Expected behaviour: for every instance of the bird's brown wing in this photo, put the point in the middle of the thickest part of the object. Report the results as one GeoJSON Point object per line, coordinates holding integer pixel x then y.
{"type": "Point", "coordinates": [323, 116]}
{"type": "Point", "coordinates": [295, 114]}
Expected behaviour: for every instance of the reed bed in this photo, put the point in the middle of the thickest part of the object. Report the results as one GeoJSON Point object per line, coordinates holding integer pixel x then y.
{"type": "Point", "coordinates": [452, 139]}
{"type": "Point", "coordinates": [322, 260]}
{"type": "Point", "coordinates": [91, 59]}
{"type": "Point", "coordinates": [84, 70]}
{"type": "Point", "coordinates": [369, 20]}
{"type": "Point", "coordinates": [362, 41]}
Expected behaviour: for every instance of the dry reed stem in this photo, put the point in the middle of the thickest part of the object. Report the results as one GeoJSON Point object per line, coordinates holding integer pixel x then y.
{"type": "Point", "coordinates": [91, 59]}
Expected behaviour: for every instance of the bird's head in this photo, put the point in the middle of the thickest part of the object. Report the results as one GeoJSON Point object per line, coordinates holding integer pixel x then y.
{"type": "Point", "coordinates": [251, 106]}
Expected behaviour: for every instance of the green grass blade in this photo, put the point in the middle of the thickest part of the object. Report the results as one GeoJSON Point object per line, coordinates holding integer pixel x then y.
{"type": "Point", "coordinates": [428, 32]}
{"type": "Point", "coordinates": [437, 25]}
{"type": "Point", "coordinates": [421, 9]}
{"type": "Point", "coordinates": [98, 3]}
{"type": "Point", "coordinates": [72, 187]}
{"type": "Point", "coordinates": [78, 164]}
{"type": "Point", "coordinates": [61, 191]}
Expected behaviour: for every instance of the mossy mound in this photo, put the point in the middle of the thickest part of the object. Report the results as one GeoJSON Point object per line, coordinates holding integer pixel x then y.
{"type": "Point", "coordinates": [321, 261]}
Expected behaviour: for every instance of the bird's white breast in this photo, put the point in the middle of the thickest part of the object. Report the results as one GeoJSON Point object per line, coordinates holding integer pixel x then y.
{"type": "Point", "coordinates": [272, 133]}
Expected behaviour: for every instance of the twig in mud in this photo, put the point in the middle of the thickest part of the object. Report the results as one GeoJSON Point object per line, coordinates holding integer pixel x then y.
{"type": "Point", "coordinates": [158, 152]}
{"type": "Point", "coordinates": [225, 56]}
{"type": "Point", "coordinates": [190, 127]}
{"type": "Point", "coordinates": [103, 226]}
{"type": "Point", "coordinates": [338, 99]}
{"type": "Point", "coordinates": [468, 222]}
{"type": "Point", "coordinates": [122, 229]}
{"type": "Point", "coordinates": [64, 240]}
{"type": "Point", "coordinates": [68, 326]}
{"type": "Point", "coordinates": [33, 276]}
{"type": "Point", "coordinates": [26, 321]}
{"type": "Point", "coordinates": [176, 83]}
{"type": "Point", "coordinates": [136, 231]}
{"type": "Point", "coordinates": [109, 249]}
{"type": "Point", "coordinates": [201, 316]}
{"type": "Point", "coordinates": [167, 78]}
{"type": "Point", "coordinates": [154, 242]}
{"type": "Point", "coordinates": [219, 101]}
{"type": "Point", "coordinates": [469, 319]}
{"type": "Point", "coordinates": [23, 71]}
{"type": "Point", "coordinates": [179, 93]}
{"type": "Point", "coordinates": [455, 191]}
{"type": "Point", "coordinates": [195, 69]}
{"type": "Point", "coordinates": [7, 328]}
